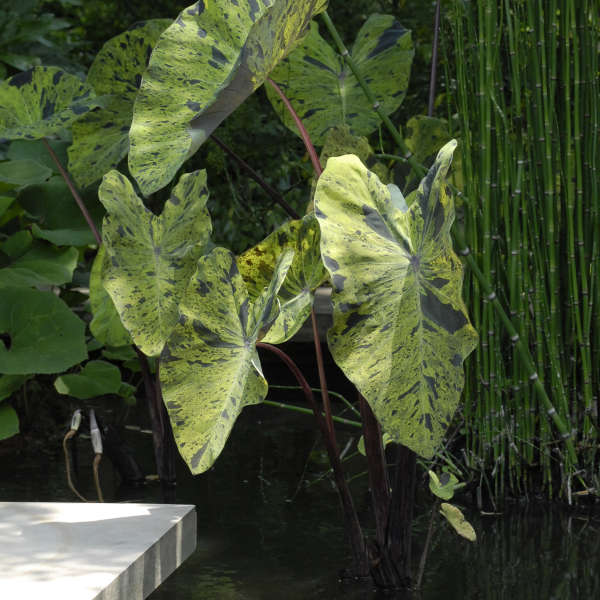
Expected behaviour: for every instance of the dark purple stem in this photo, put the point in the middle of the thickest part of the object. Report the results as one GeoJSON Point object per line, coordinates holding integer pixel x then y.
{"type": "Point", "coordinates": [263, 184]}
{"type": "Point", "coordinates": [434, 55]}
{"type": "Point", "coordinates": [82, 207]}
{"type": "Point", "coordinates": [305, 137]}
{"type": "Point", "coordinates": [360, 562]}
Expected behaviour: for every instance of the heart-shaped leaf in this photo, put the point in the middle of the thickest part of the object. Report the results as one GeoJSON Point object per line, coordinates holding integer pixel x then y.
{"type": "Point", "coordinates": [456, 518]}
{"type": "Point", "coordinates": [304, 275]}
{"type": "Point", "coordinates": [101, 137]}
{"type": "Point", "coordinates": [326, 93]}
{"type": "Point", "coordinates": [106, 325]}
{"type": "Point", "coordinates": [151, 258]}
{"type": "Point", "coordinates": [97, 378]}
{"type": "Point", "coordinates": [204, 65]}
{"type": "Point", "coordinates": [401, 330]}
{"type": "Point", "coordinates": [40, 102]}
{"type": "Point", "coordinates": [210, 367]}
{"type": "Point", "coordinates": [45, 335]}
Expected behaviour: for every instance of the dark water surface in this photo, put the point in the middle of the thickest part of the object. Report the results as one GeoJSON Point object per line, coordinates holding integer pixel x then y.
{"type": "Point", "coordinates": [263, 534]}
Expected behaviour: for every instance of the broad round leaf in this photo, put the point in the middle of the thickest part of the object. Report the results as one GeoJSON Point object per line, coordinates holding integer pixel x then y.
{"type": "Point", "coordinates": [58, 218]}
{"type": "Point", "coordinates": [210, 367]}
{"type": "Point", "coordinates": [41, 265]}
{"type": "Point", "coordinates": [101, 137]}
{"type": "Point", "coordinates": [40, 102]}
{"type": "Point", "coordinates": [106, 324]}
{"type": "Point", "coordinates": [97, 378]}
{"type": "Point", "coordinates": [306, 273]}
{"type": "Point", "coordinates": [9, 421]}
{"type": "Point", "coordinates": [151, 258]}
{"type": "Point", "coordinates": [456, 518]}
{"type": "Point", "coordinates": [203, 67]}
{"type": "Point", "coordinates": [326, 93]}
{"type": "Point", "coordinates": [400, 330]}
{"type": "Point", "coordinates": [45, 335]}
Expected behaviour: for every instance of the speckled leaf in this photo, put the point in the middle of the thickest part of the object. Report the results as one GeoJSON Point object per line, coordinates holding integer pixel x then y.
{"type": "Point", "coordinates": [40, 102]}
{"type": "Point", "coordinates": [456, 518]}
{"type": "Point", "coordinates": [45, 335]}
{"type": "Point", "coordinates": [106, 325]}
{"type": "Point", "coordinates": [210, 367]}
{"type": "Point", "coordinates": [323, 89]}
{"type": "Point", "coordinates": [443, 486]}
{"type": "Point", "coordinates": [305, 274]}
{"type": "Point", "coordinates": [204, 65]}
{"type": "Point", "coordinates": [401, 330]}
{"type": "Point", "coordinates": [151, 258]}
{"type": "Point", "coordinates": [101, 137]}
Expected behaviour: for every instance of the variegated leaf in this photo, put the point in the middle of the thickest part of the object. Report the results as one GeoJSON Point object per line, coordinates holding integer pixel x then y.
{"type": "Point", "coordinates": [204, 65]}
{"type": "Point", "coordinates": [150, 258]}
{"type": "Point", "coordinates": [210, 367]}
{"type": "Point", "coordinates": [455, 517]}
{"type": "Point", "coordinates": [401, 330]}
{"type": "Point", "coordinates": [304, 276]}
{"type": "Point", "coordinates": [101, 137]}
{"type": "Point", "coordinates": [325, 92]}
{"type": "Point", "coordinates": [106, 324]}
{"type": "Point", "coordinates": [40, 102]}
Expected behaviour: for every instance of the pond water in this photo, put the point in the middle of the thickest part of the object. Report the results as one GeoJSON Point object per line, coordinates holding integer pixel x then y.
{"type": "Point", "coordinates": [263, 533]}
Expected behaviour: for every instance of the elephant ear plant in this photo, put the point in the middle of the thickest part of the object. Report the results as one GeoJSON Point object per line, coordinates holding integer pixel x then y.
{"type": "Point", "coordinates": [400, 329]}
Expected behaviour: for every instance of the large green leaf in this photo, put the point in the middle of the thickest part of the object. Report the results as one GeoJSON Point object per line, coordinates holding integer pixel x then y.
{"type": "Point", "coordinates": [209, 367]}
{"type": "Point", "coordinates": [326, 93]}
{"type": "Point", "coordinates": [9, 421]}
{"type": "Point", "coordinates": [9, 384]}
{"type": "Point", "coordinates": [106, 325]}
{"type": "Point", "coordinates": [304, 275]}
{"type": "Point", "coordinates": [204, 65]}
{"type": "Point", "coordinates": [41, 265]}
{"type": "Point", "coordinates": [151, 258]}
{"type": "Point", "coordinates": [97, 378]}
{"type": "Point", "coordinates": [23, 172]}
{"type": "Point", "coordinates": [401, 330]}
{"type": "Point", "coordinates": [40, 102]}
{"type": "Point", "coordinates": [101, 137]}
{"type": "Point", "coordinates": [36, 150]}
{"type": "Point", "coordinates": [57, 216]}
{"type": "Point", "coordinates": [45, 335]}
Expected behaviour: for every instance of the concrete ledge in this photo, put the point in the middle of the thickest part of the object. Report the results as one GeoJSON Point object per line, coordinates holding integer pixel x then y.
{"type": "Point", "coordinates": [90, 551]}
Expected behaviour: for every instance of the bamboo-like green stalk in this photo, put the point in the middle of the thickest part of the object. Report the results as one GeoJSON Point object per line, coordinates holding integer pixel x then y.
{"type": "Point", "coordinates": [519, 218]}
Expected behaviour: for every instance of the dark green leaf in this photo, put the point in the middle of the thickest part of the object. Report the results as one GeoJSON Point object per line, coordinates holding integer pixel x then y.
{"type": "Point", "coordinates": [23, 172]}
{"type": "Point", "coordinates": [9, 421]}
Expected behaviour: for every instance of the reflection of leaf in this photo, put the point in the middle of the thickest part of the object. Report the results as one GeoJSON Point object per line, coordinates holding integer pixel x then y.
{"type": "Point", "coordinates": [95, 379]}
{"type": "Point", "coordinates": [204, 65]}
{"type": "Point", "coordinates": [210, 367]}
{"type": "Point", "coordinates": [457, 520]}
{"type": "Point", "coordinates": [106, 325]}
{"type": "Point", "coordinates": [400, 330]}
{"type": "Point", "coordinates": [326, 93]}
{"type": "Point", "coordinates": [45, 335]}
{"type": "Point", "coordinates": [9, 421]}
{"type": "Point", "coordinates": [101, 137]}
{"type": "Point", "coordinates": [305, 274]}
{"type": "Point", "coordinates": [42, 101]}
{"type": "Point", "coordinates": [151, 258]}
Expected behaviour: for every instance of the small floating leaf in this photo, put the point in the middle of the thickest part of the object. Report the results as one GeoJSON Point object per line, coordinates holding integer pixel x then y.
{"type": "Point", "coordinates": [456, 518]}
{"type": "Point", "coordinates": [150, 258]}
{"type": "Point", "coordinates": [210, 367]}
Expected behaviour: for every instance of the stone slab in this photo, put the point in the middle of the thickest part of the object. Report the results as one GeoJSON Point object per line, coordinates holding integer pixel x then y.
{"type": "Point", "coordinates": [91, 551]}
